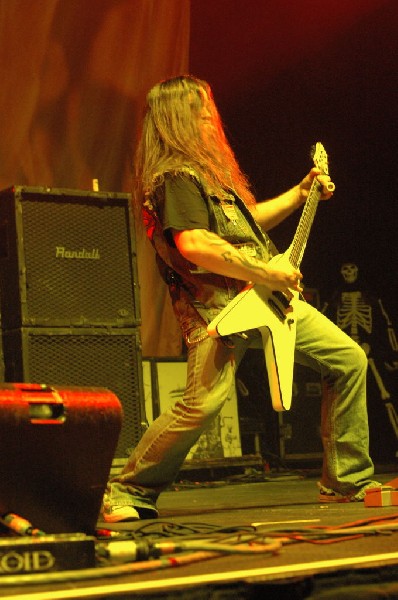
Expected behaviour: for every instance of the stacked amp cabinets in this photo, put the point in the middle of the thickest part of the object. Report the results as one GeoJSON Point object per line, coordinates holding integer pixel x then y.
{"type": "Point", "coordinates": [70, 295]}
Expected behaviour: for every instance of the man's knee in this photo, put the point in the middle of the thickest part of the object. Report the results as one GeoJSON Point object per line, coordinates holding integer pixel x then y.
{"type": "Point", "coordinates": [359, 359]}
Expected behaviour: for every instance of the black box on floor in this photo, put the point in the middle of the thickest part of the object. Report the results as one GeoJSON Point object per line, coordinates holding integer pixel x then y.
{"type": "Point", "coordinates": [60, 552]}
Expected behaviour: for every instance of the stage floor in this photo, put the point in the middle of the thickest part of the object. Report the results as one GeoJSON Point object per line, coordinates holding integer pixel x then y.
{"type": "Point", "coordinates": [299, 569]}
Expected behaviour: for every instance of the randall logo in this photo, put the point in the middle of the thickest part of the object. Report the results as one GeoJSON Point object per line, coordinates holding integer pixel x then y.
{"type": "Point", "coordinates": [62, 252]}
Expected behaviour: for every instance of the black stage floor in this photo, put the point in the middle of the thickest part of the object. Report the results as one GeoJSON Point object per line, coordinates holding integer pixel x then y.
{"type": "Point", "coordinates": [364, 566]}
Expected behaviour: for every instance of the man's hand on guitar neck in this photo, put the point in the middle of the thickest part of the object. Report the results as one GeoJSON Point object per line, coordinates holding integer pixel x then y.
{"type": "Point", "coordinates": [270, 213]}
{"type": "Point", "coordinates": [328, 186]}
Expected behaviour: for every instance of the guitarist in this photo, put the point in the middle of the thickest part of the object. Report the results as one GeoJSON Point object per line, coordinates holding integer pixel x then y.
{"type": "Point", "coordinates": [210, 239]}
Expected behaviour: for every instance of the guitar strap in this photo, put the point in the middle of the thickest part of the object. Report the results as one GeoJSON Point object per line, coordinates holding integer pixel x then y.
{"type": "Point", "coordinates": [175, 281]}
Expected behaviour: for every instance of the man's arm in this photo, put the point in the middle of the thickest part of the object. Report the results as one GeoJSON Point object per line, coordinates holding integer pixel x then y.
{"type": "Point", "coordinates": [207, 250]}
{"type": "Point", "coordinates": [270, 213]}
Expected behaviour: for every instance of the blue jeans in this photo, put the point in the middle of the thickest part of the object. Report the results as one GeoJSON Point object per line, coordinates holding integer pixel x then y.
{"type": "Point", "coordinates": [321, 345]}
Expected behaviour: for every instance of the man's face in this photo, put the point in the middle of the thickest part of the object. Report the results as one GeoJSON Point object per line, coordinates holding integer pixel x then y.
{"type": "Point", "coordinates": [206, 123]}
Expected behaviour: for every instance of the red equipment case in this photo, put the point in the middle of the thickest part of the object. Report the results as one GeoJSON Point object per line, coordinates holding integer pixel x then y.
{"type": "Point", "coordinates": [56, 451]}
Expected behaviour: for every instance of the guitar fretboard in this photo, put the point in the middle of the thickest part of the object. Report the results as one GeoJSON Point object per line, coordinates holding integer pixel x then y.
{"type": "Point", "coordinates": [304, 227]}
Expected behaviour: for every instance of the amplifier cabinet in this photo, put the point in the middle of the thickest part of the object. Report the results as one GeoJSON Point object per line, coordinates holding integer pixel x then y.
{"type": "Point", "coordinates": [93, 357]}
{"type": "Point", "coordinates": [299, 427]}
{"type": "Point", "coordinates": [57, 446]}
{"type": "Point", "coordinates": [292, 435]}
{"type": "Point", "coordinates": [67, 257]}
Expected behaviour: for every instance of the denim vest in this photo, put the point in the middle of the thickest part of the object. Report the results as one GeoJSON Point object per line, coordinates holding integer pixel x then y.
{"type": "Point", "coordinates": [198, 295]}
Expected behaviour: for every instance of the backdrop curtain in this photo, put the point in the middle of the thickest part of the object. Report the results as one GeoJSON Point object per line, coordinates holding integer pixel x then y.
{"type": "Point", "coordinates": [74, 78]}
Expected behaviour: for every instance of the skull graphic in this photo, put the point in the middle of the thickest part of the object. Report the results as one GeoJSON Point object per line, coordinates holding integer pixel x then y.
{"type": "Point", "coordinates": [349, 272]}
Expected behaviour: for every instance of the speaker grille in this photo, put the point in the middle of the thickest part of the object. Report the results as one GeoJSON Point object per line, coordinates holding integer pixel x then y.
{"type": "Point", "coordinates": [69, 259]}
{"type": "Point", "coordinates": [83, 357]}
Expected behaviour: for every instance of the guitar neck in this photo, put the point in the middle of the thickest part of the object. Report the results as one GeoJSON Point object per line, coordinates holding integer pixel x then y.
{"type": "Point", "coordinates": [298, 245]}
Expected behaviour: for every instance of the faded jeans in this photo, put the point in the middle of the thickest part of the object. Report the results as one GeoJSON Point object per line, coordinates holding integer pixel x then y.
{"type": "Point", "coordinates": [321, 345]}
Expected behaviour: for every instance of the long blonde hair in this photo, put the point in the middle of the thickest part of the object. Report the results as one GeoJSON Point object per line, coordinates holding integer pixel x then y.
{"type": "Point", "coordinates": [171, 141]}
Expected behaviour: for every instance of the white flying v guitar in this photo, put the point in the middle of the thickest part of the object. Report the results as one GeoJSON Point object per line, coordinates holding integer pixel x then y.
{"type": "Point", "coordinates": [257, 307]}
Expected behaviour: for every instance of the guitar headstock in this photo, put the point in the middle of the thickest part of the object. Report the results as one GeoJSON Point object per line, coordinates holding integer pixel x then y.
{"type": "Point", "coordinates": [320, 158]}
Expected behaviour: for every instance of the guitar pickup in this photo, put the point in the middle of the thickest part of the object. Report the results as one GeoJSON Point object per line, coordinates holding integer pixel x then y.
{"type": "Point", "coordinates": [277, 309]}
{"type": "Point", "coordinates": [282, 299]}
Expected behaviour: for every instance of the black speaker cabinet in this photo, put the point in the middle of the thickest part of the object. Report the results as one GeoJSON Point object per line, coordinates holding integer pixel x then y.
{"type": "Point", "coordinates": [292, 435]}
{"type": "Point", "coordinates": [67, 257]}
{"type": "Point", "coordinates": [99, 357]}
{"type": "Point", "coordinates": [299, 427]}
{"type": "Point", "coordinates": [56, 446]}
